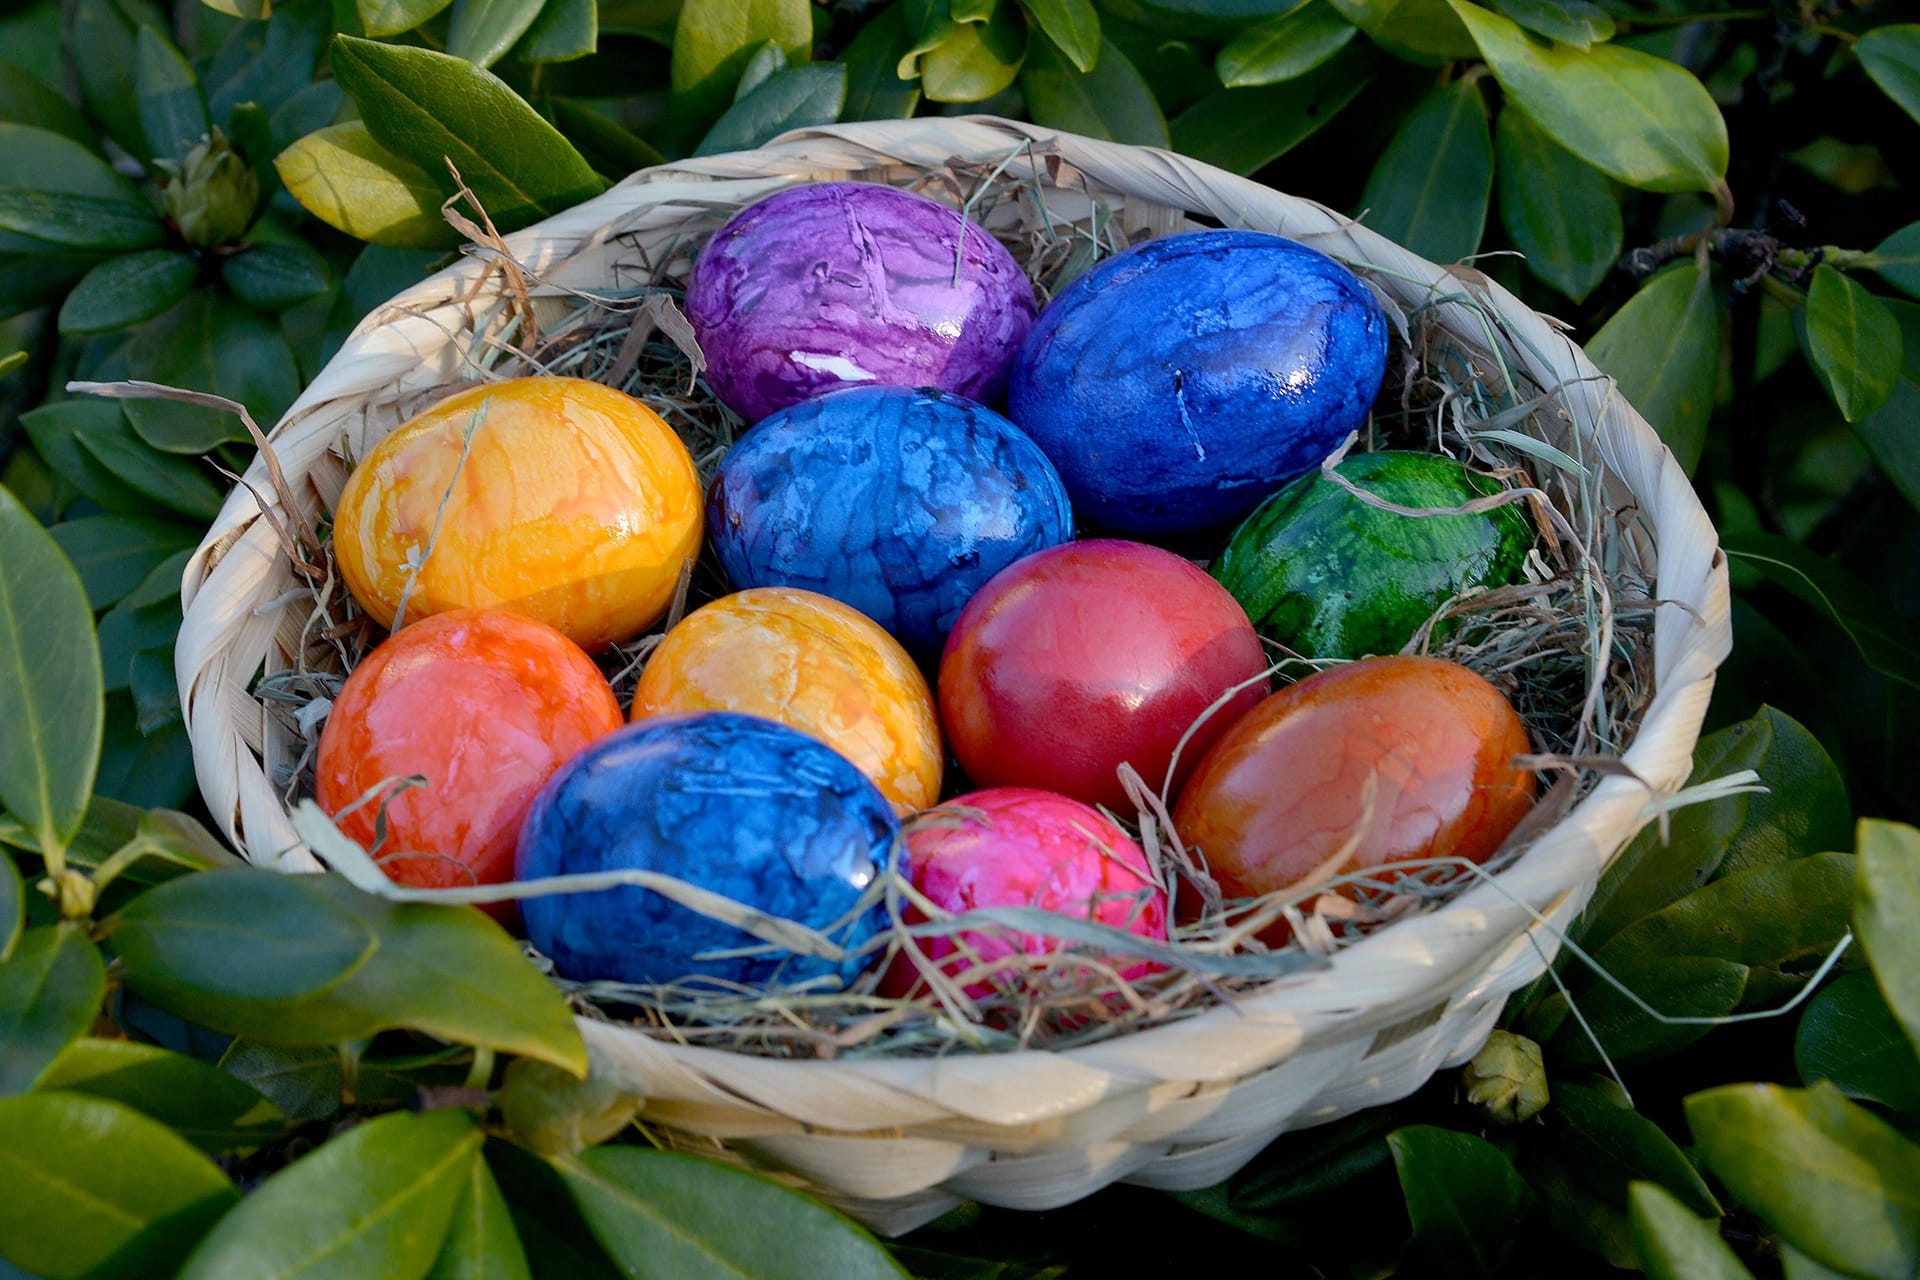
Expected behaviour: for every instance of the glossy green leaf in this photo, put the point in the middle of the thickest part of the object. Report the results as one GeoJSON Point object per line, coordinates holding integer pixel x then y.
{"type": "Point", "coordinates": [1886, 914]}
{"type": "Point", "coordinates": [114, 554]}
{"type": "Point", "coordinates": [712, 43]}
{"type": "Point", "coordinates": [380, 18]}
{"type": "Point", "coordinates": [680, 1216]}
{"type": "Point", "coordinates": [13, 906]}
{"type": "Point", "coordinates": [652, 19]}
{"type": "Point", "coordinates": [1560, 210]}
{"type": "Point", "coordinates": [203, 1104]}
{"type": "Point", "coordinates": [1641, 119]}
{"type": "Point", "coordinates": [1853, 341]}
{"type": "Point", "coordinates": [81, 222]}
{"type": "Point", "coordinates": [273, 277]}
{"type": "Point", "coordinates": [106, 29]}
{"type": "Point", "coordinates": [210, 342]}
{"type": "Point", "coordinates": [127, 289]}
{"type": "Point", "coordinates": [1891, 432]}
{"type": "Point", "coordinates": [429, 107]}
{"type": "Point", "coordinates": [483, 30]}
{"type": "Point", "coordinates": [1418, 30]}
{"type": "Point", "coordinates": [1073, 28]}
{"type": "Point", "coordinates": [1111, 101]}
{"type": "Point", "coordinates": [609, 148]}
{"type": "Point", "coordinates": [875, 90]}
{"type": "Point", "coordinates": [1663, 349]}
{"type": "Point", "coordinates": [50, 682]}
{"type": "Point", "coordinates": [1849, 1037]}
{"type": "Point", "coordinates": [1891, 55]}
{"type": "Point", "coordinates": [95, 1188]}
{"type": "Point", "coordinates": [27, 99]}
{"type": "Point", "coordinates": [1462, 1195]}
{"type": "Point", "coordinates": [1242, 130]}
{"type": "Point", "coordinates": [1284, 48]}
{"type": "Point", "coordinates": [1575, 22]}
{"type": "Point", "coordinates": [1674, 987]}
{"type": "Point", "coordinates": [565, 30]}
{"type": "Point", "coordinates": [1430, 189]}
{"type": "Point", "coordinates": [557, 1240]}
{"type": "Point", "coordinates": [59, 165]}
{"type": "Point", "coordinates": [1897, 259]}
{"type": "Point", "coordinates": [976, 59]}
{"type": "Point", "coordinates": [173, 115]}
{"type": "Point", "coordinates": [276, 67]}
{"type": "Point", "coordinates": [49, 995]}
{"type": "Point", "coordinates": [1837, 1183]}
{"type": "Point", "coordinates": [53, 429]}
{"type": "Point", "coordinates": [767, 61]}
{"type": "Point", "coordinates": [1878, 632]}
{"type": "Point", "coordinates": [307, 1083]}
{"type": "Point", "coordinates": [343, 177]}
{"type": "Point", "coordinates": [1676, 1245]}
{"type": "Point", "coordinates": [185, 485]}
{"type": "Point", "coordinates": [375, 1201]}
{"type": "Point", "coordinates": [1608, 1146]}
{"type": "Point", "coordinates": [793, 99]}
{"type": "Point", "coordinates": [481, 1243]}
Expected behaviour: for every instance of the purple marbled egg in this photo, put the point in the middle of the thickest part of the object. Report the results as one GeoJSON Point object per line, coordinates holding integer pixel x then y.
{"type": "Point", "coordinates": [842, 283]}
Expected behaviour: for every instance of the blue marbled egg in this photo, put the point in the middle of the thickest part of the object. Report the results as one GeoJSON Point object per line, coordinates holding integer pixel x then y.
{"type": "Point", "coordinates": [1177, 384]}
{"type": "Point", "coordinates": [896, 501]}
{"type": "Point", "coordinates": [744, 807]}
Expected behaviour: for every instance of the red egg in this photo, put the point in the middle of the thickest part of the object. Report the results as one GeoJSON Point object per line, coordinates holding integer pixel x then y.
{"type": "Point", "coordinates": [1082, 656]}
{"type": "Point", "coordinates": [485, 705]}
{"type": "Point", "coordinates": [1017, 847]}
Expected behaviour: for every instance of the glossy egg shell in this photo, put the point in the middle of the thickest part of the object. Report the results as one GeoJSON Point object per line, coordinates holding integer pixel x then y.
{"type": "Point", "coordinates": [572, 503]}
{"type": "Point", "coordinates": [1178, 383]}
{"type": "Point", "coordinates": [900, 502]}
{"type": "Point", "coordinates": [1281, 791]}
{"type": "Point", "coordinates": [743, 807]}
{"type": "Point", "coordinates": [1017, 847]}
{"type": "Point", "coordinates": [486, 705]}
{"type": "Point", "coordinates": [810, 663]}
{"type": "Point", "coordinates": [1084, 656]}
{"type": "Point", "coordinates": [839, 283]}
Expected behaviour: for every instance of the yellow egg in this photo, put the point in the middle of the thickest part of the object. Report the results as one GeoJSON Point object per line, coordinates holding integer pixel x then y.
{"type": "Point", "coordinates": [574, 504]}
{"type": "Point", "coordinates": [812, 664]}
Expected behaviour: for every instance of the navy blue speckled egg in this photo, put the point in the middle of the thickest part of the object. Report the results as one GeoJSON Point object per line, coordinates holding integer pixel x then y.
{"type": "Point", "coordinates": [898, 502]}
{"type": "Point", "coordinates": [741, 806]}
{"type": "Point", "coordinates": [1177, 384]}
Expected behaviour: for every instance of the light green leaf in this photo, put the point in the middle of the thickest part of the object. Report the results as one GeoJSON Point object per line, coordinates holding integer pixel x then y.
{"type": "Point", "coordinates": [1795, 1265]}
{"type": "Point", "coordinates": [1608, 1146]}
{"type": "Point", "coordinates": [1110, 102]}
{"type": "Point", "coordinates": [343, 177]}
{"type": "Point", "coordinates": [27, 99]}
{"type": "Point", "coordinates": [766, 62]}
{"type": "Point", "coordinates": [794, 99]}
{"type": "Point", "coordinates": [114, 554]}
{"type": "Point", "coordinates": [127, 289]}
{"type": "Point", "coordinates": [1560, 210]}
{"type": "Point", "coordinates": [1417, 30]}
{"type": "Point", "coordinates": [1850, 1038]}
{"type": "Point", "coordinates": [712, 43]}
{"type": "Point", "coordinates": [381, 18]}
{"type": "Point", "coordinates": [210, 342]}
{"type": "Point", "coordinates": [49, 995]}
{"type": "Point", "coordinates": [483, 30]}
{"type": "Point", "coordinates": [1837, 1183]}
{"type": "Point", "coordinates": [976, 59]}
{"type": "Point", "coordinates": [1073, 26]}
{"type": "Point", "coordinates": [1243, 130]}
{"type": "Point", "coordinates": [375, 1201]}
{"type": "Point", "coordinates": [1462, 1195]}
{"type": "Point", "coordinates": [1575, 22]}
{"type": "Point", "coordinates": [1857, 609]}
{"type": "Point", "coordinates": [209, 1108]}
{"type": "Point", "coordinates": [1674, 1244]}
{"type": "Point", "coordinates": [1430, 189]}
{"type": "Point", "coordinates": [1642, 119]}
{"type": "Point", "coordinates": [1891, 55]}
{"type": "Point", "coordinates": [1897, 259]}
{"type": "Point", "coordinates": [1853, 342]}
{"type": "Point", "coordinates": [82, 222]}
{"type": "Point", "coordinates": [273, 277]}
{"type": "Point", "coordinates": [50, 682]}
{"type": "Point", "coordinates": [1886, 914]}
{"type": "Point", "coordinates": [481, 1243]}
{"type": "Point", "coordinates": [678, 1215]}
{"type": "Point", "coordinates": [1663, 349]}
{"type": "Point", "coordinates": [553, 1113]}
{"type": "Point", "coordinates": [565, 30]}
{"type": "Point", "coordinates": [1284, 48]}
{"type": "Point", "coordinates": [875, 90]}
{"type": "Point", "coordinates": [173, 116]}
{"type": "Point", "coordinates": [95, 1188]}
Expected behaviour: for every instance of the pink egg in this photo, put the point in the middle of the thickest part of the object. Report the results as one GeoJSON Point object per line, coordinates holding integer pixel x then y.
{"type": "Point", "coordinates": [1018, 847]}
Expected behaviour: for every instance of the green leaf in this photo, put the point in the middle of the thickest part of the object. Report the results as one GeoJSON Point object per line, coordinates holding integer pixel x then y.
{"type": "Point", "coordinates": [144, 769]}
{"type": "Point", "coordinates": [382, 18]}
{"type": "Point", "coordinates": [1641, 119]}
{"type": "Point", "coordinates": [1897, 259]}
{"type": "Point", "coordinates": [1663, 349]}
{"type": "Point", "coordinates": [1674, 1244]}
{"type": "Point", "coordinates": [1608, 1146]}
{"type": "Point", "coordinates": [53, 430]}
{"type": "Point", "coordinates": [203, 1104]}
{"type": "Point", "coordinates": [553, 1113]}
{"type": "Point", "coordinates": [1284, 48]}
{"type": "Point", "coordinates": [159, 844]}
{"type": "Point", "coordinates": [273, 277]}
{"type": "Point", "coordinates": [209, 342]}
{"type": "Point", "coordinates": [1875, 630]}
{"type": "Point", "coordinates": [125, 290]}
{"type": "Point", "coordinates": [875, 90]}
{"type": "Point", "coordinates": [307, 1083]}
{"type": "Point", "coordinates": [27, 99]}
{"type": "Point", "coordinates": [793, 99]}
{"type": "Point", "coordinates": [1584, 1220]}
{"type": "Point", "coordinates": [1430, 189]}
{"type": "Point", "coordinates": [49, 995]}
{"type": "Point", "coordinates": [1073, 28]}
{"type": "Point", "coordinates": [1795, 1265]}
{"type": "Point", "coordinates": [1110, 102]}
{"type": "Point", "coordinates": [1463, 1197]}
{"type": "Point", "coordinates": [1242, 130]}
{"type": "Point", "coordinates": [977, 59]}
{"type": "Point", "coordinates": [766, 61]}
{"type": "Point", "coordinates": [1853, 342]}
{"type": "Point", "coordinates": [565, 30]}
{"type": "Point", "coordinates": [483, 30]}
{"type": "Point", "coordinates": [1560, 210]}
{"type": "Point", "coordinates": [557, 1240]}
{"type": "Point", "coordinates": [95, 1188]}
{"type": "Point", "coordinates": [1837, 1183]}
{"type": "Point", "coordinates": [106, 29]}
{"type": "Point", "coordinates": [481, 1243]}
{"type": "Point", "coordinates": [1575, 22]}
{"type": "Point", "coordinates": [1886, 913]}
{"type": "Point", "coordinates": [251, 10]}
{"type": "Point", "coordinates": [712, 43]}
{"type": "Point", "coordinates": [276, 64]}
{"type": "Point", "coordinates": [1891, 55]}
{"type": "Point", "coordinates": [173, 116]}
{"type": "Point", "coordinates": [176, 483]}
{"type": "Point", "coordinates": [678, 1215]}
{"type": "Point", "coordinates": [83, 222]}
{"type": "Point", "coordinates": [1675, 987]}
{"type": "Point", "coordinates": [343, 177]}
{"type": "Point", "coordinates": [375, 1201]}
{"type": "Point", "coordinates": [50, 682]}
{"type": "Point", "coordinates": [114, 554]}
{"type": "Point", "coordinates": [33, 274]}
{"type": "Point", "coordinates": [61, 166]}
{"type": "Point", "coordinates": [13, 906]}
{"type": "Point", "coordinates": [1417, 30]}
{"type": "Point", "coordinates": [428, 107]}
{"type": "Point", "coordinates": [1850, 1038]}
{"type": "Point", "coordinates": [611, 149]}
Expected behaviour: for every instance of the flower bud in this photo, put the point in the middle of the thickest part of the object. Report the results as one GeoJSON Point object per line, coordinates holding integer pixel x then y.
{"type": "Point", "coordinates": [211, 194]}
{"type": "Point", "coordinates": [1507, 1079]}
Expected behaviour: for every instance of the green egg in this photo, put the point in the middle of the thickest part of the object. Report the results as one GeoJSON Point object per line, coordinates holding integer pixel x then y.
{"type": "Point", "coordinates": [1331, 576]}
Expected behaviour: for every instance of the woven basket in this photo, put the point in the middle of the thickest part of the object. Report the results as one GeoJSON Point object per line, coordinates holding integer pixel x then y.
{"type": "Point", "coordinates": [898, 1141]}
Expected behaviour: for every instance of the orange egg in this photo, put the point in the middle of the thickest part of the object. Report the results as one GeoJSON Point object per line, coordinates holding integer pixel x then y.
{"type": "Point", "coordinates": [485, 705]}
{"type": "Point", "coordinates": [556, 498]}
{"type": "Point", "coordinates": [812, 664]}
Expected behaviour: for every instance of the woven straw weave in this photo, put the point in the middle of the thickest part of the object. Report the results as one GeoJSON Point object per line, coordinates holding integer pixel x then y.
{"type": "Point", "coordinates": [896, 1142]}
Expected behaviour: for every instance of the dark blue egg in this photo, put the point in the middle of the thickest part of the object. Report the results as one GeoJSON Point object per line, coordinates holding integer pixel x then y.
{"type": "Point", "coordinates": [896, 501]}
{"type": "Point", "coordinates": [1177, 384]}
{"type": "Point", "coordinates": [749, 809]}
